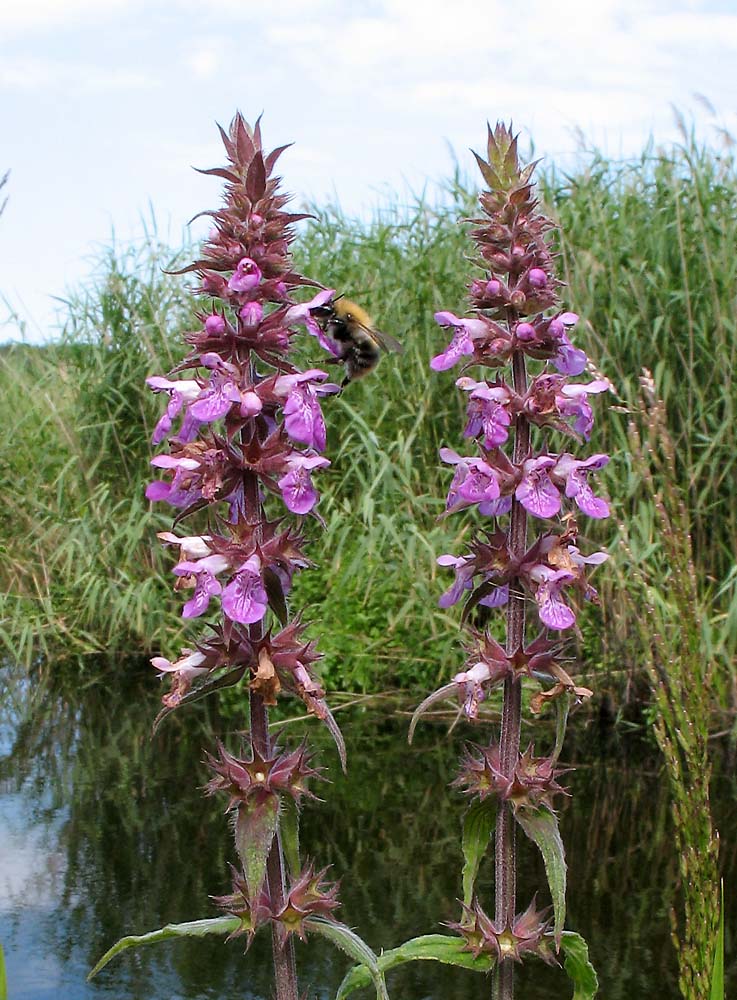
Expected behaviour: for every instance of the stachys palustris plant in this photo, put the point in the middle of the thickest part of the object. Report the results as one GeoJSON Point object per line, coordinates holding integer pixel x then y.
{"type": "Point", "coordinates": [244, 434]}
{"type": "Point", "coordinates": [517, 323]}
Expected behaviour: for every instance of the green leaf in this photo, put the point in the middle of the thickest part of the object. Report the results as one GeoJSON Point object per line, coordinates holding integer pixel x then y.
{"type": "Point", "coordinates": [717, 975]}
{"type": "Point", "coordinates": [477, 828]}
{"type": "Point", "coordinates": [254, 835]}
{"type": "Point", "coordinates": [289, 831]}
{"type": "Point", "coordinates": [194, 928]}
{"type": "Point", "coordinates": [430, 947]}
{"type": "Point", "coordinates": [357, 949]}
{"type": "Point", "coordinates": [3, 976]}
{"type": "Point", "coordinates": [541, 826]}
{"type": "Point", "coordinates": [562, 706]}
{"type": "Point", "coordinates": [577, 965]}
{"type": "Point", "coordinates": [227, 679]}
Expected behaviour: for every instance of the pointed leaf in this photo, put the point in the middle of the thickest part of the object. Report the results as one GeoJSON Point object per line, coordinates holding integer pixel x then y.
{"type": "Point", "coordinates": [3, 976]}
{"type": "Point", "coordinates": [275, 594]}
{"type": "Point", "coordinates": [541, 826]}
{"type": "Point", "coordinates": [193, 928]}
{"type": "Point", "coordinates": [580, 970]}
{"type": "Point", "coordinates": [274, 155]}
{"type": "Point", "coordinates": [487, 172]}
{"type": "Point", "coordinates": [717, 975]}
{"type": "Point", "coordinates": [254, 834]}
{"type": "Point", "coordinates": [562, 705]}
{"type": "Point", "coordinates": [256, 178]}
{"type": "Point", "coordinates": [477, 828]}
{"type": "Point", "coordinates": [439, 695]}
{"type": "Point", "coordinates": [357, 949]}
{"type": "Point", "coordinates": [229, 147]}
{"type": "Point", "coordinates": [430, 947]}
{"type": "Point", "coordinates": [227, 679]}
{"type": "Point", "coordinates": [326, 716]}
{"type": "Point", "coordinates": [289, 832]}
{"type": "Point", "coordinates": [227, 175]}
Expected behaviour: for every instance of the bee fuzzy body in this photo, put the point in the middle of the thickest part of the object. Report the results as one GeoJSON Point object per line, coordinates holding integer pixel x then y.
{"type": "Point", "coordinates": [360, 344]}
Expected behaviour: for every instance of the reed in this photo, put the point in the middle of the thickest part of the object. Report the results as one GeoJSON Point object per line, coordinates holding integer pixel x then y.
{"type": "Point", "coordinates": [655, 281]}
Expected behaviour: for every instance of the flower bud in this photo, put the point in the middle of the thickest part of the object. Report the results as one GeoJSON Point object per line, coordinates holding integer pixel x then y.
{"type": "Point", "coordinates": [251, 315]}
{"type": "Point", "coordinates": [525, 331]}
{"type": "Point", "coordinates": [537, 277]}
{"type": "Point", "coordinates": [215, 325]}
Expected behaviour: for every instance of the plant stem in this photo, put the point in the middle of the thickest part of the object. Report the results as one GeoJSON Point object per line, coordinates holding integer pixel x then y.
{"type": "Point", "coordinates": [505, 857]}
{"type": "Point", "coordinates": [285, 966]}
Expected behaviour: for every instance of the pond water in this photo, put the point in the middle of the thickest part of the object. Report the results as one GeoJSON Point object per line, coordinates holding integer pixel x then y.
{"type": "Point", "coordinates": [105, 832]}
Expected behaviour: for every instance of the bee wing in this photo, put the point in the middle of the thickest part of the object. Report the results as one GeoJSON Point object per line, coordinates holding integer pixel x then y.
{"type": "Point", "coordinates": [385, 341]}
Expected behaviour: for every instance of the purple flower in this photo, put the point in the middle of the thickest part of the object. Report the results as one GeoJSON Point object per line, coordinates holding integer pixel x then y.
{"type": "Point", "coordinates": [487, 411]}
{"type": "Point", "coordinates": [191, 547]}
{"type": "Point", "coordinates": [569, 360]}
{"type": "Point", "coordinates": [301, 314]}
{"type": "Point", "coordinates": [246, 276]}
{"type": "Point", "coordinates": [297, 491]}
{"type": "Point", "coordinates": [474, 481]}
{"type": "Point", "coordinates": [244, 599]}
{"type": "Point", "coordinates": [216, 399]}
{"type": "Point", "coordinates": [464, 567]}
{"type": "Point", "coordinates": [303, 417]}
{"type": "Point", "coordinates": [184, 671]}
{"type": "Point", "coordinates": [180, 491]}
{"type": "Point", "coordinates": [536, 491]}
{"type": "Point", "coordinates": [464, 570]}
{"type": "Point", "coordinates": [572, 402]}
{"type": "Point", "coordinates": [554, 612]}
{"type": "Point", "coordinates": [574, 474]}
{"type": "Point", "coordinates": [206, 586]}
{"type": "Point", "coordinates": [462, 342]}
{"type": "Point", "coordinates": [180, 392]}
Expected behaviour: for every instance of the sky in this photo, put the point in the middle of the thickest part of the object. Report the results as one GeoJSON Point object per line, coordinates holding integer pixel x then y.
{"type": "Point", "coordinates": [106, 105]}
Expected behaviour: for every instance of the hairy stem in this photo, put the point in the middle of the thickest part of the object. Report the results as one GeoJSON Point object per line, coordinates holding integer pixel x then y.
{"type": "Point", "coordinates": [285, 966]}
{"type": "Point", "coordinates": [505, 858]}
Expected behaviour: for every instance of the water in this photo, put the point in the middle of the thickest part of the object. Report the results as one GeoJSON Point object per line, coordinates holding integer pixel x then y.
{"type": "Point", "coordinates": [105, 832]}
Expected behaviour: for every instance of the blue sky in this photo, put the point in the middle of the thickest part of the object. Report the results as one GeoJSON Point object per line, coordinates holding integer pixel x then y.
{"type": "Point", "coordinates": [105, 105]}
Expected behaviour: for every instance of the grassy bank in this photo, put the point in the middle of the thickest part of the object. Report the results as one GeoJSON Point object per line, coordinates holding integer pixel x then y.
{"type": "Point", "coordinates": [648, 253]}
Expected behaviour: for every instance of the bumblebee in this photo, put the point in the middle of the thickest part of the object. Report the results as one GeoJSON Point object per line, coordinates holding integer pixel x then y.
{"type": "Point", "coordinates": [359, 342]}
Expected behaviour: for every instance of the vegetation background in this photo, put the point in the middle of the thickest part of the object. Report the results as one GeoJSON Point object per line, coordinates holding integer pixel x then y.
{"type": "Point", "coordinates": [648, 253]}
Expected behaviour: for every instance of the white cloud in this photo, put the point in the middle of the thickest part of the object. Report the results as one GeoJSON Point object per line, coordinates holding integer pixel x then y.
{"type": "Point", "coordinates": [37, 74]}
{"type": "Point", "coordinates": [30, 15]}
{"type": "Point", "coordinates": [205, 60]}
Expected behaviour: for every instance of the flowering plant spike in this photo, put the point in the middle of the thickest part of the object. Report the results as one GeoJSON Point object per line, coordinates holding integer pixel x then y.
{"type": "Point", "coordinates": [516, 321]}
{"type": "Point", "coordinates": [244, 433]}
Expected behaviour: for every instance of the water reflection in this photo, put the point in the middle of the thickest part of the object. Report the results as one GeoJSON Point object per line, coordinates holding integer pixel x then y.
{"type": "Point", "coordinates": [105, 832]}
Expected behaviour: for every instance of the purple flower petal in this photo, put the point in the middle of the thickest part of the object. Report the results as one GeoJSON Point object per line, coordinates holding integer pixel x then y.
{"type": "Point", "coordinates": [216, 401]}
{"type": "Point", "coordinates": [303, 417]}
{"type": "Point", "coordinates": [297, 490]}
{"type": "Point", "coordinates": [460, 345]}
{"type": "Point", "coordinates": [205, 588]}
{"type": "Point", "coordinates": [246, 276]}
{"type": "Point", "coordinates": [244, 599]}
{"type": "Point", "coordinates": [554, 612]}
{"type": "Point", "coordinates": [569, 360]}
{"type": "Point", "coordinates": [536, 492]}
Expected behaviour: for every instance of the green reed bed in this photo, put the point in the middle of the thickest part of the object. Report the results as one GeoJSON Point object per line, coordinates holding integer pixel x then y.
{"type": "Point", "coordinates": [656, 283]}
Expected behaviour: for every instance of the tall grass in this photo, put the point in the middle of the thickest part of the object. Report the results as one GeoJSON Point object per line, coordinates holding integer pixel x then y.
{"type": "Point", "coordinates": [670, 634]}
{"type": "Point", "coordinates": [654, 280]}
